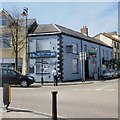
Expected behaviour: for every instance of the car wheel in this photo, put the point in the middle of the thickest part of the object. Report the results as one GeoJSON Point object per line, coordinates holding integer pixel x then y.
{"type": "Point", "coordinates": [24, 83]}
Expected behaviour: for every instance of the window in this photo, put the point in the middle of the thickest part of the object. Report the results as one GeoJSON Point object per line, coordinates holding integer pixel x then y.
{"type": "Point", "coordinates": [38, 68]}
{"type": "Point", "coordinates": [118, 56]}
{"type": "Point", "coordinates": [6, 42]}
{"type": "Point", "coordinates": [42, 45]}
{"type": "Point", "coordinates": [115, 55]}
{"type": "Point", "coordinates": [75, 48]}
{"type": "Point", "coordinates": [117, 45]}
{"type": "Point", "coordinates": [4, 20]}
{"type": "Point", "coordinates": [74, 65]}
{"type": "Point", "coordinates": [4, 72]}
{"type": "Point", "coordinates": [103, 53]}
{"type": "Point", "coordinates": [31, 69]}
{"type": "Point", "coordinates": [114, 44]}
{"type": "Point", "coordinates": [107, 55]}
{"type": "Point", "coordinates": [42, 66]}
{"type": "Point", "coordinates": [85, 49]}
{"type": "Point", "coordinates": [72, 48]}
{"type": "Point", "coordinates": [69, 48]}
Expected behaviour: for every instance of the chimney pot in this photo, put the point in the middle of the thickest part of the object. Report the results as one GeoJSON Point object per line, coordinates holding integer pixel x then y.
{"type": "Point", "coordinates": [84, 30]}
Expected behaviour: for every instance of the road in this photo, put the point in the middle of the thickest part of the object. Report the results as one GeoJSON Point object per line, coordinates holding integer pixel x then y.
{"type": "Point", "coordinates": [84, 100]}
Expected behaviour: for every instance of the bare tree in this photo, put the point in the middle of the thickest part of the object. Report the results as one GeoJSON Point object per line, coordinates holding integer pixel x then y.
{"type": "Point", "coordinates": [15, 28]}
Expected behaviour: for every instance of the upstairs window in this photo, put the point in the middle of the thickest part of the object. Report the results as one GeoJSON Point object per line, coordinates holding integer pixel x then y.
{"type": "Point", "coordinates": [6, 43]}
{"type": "Point", "coordinates": [4, 21]}
{"type": "Point", "coordinates": [73, 48]}
{"type": "Point", "coordinates": [117, 45]}
{"type": "Point", "coordinates": [114, 44]}
{"type": "Point", "coordinates": [42, 45]}
{"type": "Point", "coordinates": [69, 48]}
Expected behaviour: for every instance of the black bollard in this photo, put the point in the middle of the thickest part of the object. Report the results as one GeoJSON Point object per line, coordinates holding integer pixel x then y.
{"type": "Point", "coordinates": [6, 95]}
{"type": "Point", "coordinates": [54, 105]}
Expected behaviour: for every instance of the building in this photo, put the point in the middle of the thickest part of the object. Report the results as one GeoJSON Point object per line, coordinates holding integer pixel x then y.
{"type": "Point", "coordinates": [113, 40]}
{"type": "Point", "coordinates": [75, 55]}
{"type": "Point", "coordinates": [7, 54]}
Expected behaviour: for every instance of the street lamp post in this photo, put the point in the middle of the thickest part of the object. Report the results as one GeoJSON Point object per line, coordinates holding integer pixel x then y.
{"type": "Point", "coordinates": [25, 13]}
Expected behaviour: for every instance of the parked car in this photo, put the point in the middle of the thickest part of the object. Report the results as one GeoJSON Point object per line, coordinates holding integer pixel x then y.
{"type": "Point", "coordinates": [10, 76]}
{"type": "Point", "coordinates": [118, 72]}
{"type": "Point", "coordinates": [111, 73]}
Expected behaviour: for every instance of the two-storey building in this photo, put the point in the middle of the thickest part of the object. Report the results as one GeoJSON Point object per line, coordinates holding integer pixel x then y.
{"type": "Point", "coordinates": [74, 54]}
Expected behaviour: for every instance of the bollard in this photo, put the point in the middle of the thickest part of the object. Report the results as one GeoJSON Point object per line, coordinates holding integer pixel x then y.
{"type": "Point", "coordinates": [54, 105]}
{"type": "Point", "coordinates": [6, 95]}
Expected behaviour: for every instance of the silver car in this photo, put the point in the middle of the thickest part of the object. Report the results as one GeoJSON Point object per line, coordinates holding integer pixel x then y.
{"type": "Point", "coordinates": [111, 73]}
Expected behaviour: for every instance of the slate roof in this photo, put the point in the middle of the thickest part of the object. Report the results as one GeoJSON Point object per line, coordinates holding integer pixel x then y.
{"type": "Point", "coordinates": [44, 29]}
{"type": "Point", "coordinates": [111, 37]}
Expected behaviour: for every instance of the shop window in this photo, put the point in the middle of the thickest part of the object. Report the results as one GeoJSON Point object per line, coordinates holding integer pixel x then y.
{"type": "Point", "coordinates": [42, 67]}
{"type": "Point", "coordinates": [31, 69]}
{"type": "Point", "coordinates": [74, 65]}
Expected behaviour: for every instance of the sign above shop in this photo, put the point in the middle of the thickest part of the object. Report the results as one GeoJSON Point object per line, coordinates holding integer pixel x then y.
{"type": "Point", "coordinates": [42, 54]}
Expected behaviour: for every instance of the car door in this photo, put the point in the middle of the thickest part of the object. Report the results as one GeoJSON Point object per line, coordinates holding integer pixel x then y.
{"type": "Point", "coordinates": [12, 75]}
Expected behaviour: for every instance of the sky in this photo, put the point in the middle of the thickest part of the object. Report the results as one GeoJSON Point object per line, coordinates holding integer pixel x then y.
{"type": "Point", "coordinates": [97, 16]}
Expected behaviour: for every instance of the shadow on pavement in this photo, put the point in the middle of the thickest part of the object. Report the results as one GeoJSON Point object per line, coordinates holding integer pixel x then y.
{"type": "Point", "coordinates": [27, 111]}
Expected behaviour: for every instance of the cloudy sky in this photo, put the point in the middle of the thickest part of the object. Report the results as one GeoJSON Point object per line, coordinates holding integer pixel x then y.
{"type": "Point", "coordinates": [97, 16]}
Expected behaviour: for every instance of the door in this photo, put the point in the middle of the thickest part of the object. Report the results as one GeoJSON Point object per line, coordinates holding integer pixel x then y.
{"type": "Point", "coordinates": [86, 69]}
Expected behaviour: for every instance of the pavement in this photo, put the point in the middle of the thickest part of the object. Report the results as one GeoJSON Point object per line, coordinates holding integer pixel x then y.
{"type": "Point", "coordinates": [24, 113]}
{"type": "Point", "coordinates": [90, 81]}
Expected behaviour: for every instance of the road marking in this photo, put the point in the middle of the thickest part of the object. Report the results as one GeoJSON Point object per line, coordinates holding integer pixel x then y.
{"type": "Point", "coordinates": [101, 88]}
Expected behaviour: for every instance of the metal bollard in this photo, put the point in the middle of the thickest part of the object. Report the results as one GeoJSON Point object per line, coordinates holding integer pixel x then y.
{"type": "Point", "coordinates": [54, 105]}
{"type": "Point", "coordinates": [6, 95]}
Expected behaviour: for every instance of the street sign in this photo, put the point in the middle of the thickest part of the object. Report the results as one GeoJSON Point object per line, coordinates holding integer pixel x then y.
{"type": "Point", "coordinates": [82, 55]}
{"type": "Point", "coordinates": [92, 52]}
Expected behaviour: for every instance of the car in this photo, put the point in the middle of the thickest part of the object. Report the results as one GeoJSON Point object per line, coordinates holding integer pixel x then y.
{"type": "Point", "coordinates": [12, 77]}
{"type": "Point", "coordinates": [118, 72]}
{"type": "Point", "coordinates": [111, 73]}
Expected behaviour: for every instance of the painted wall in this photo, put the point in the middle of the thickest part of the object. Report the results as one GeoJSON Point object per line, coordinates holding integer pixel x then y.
{"type": "Point", "coordinates": [66, 57]}
{"type": "Point", "coordinates": [51, 42]}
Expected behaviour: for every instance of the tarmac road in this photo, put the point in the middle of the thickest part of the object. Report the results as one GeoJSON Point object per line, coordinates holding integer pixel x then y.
{"type": "Point", "coordinates": [75, 100]}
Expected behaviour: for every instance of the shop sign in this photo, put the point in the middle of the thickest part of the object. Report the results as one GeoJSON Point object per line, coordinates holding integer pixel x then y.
{"type": "Point", "coordinates": [42, 54]}
{"type": "Point", "coordinates": [92, 52]}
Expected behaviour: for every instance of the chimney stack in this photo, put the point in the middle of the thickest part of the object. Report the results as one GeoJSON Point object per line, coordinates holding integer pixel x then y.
{"type": "Point", "coordinates": [84, 30]}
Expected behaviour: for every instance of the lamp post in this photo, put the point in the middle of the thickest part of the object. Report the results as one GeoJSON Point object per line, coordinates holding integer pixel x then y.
{"type": "Point", "coordinates": [25, 13]}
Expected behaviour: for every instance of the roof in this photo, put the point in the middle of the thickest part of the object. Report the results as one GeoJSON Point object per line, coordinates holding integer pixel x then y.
{"type": "Point", "coordinates": [109, 35]}
{"type": "Point", "coordinates": [44, 29]}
